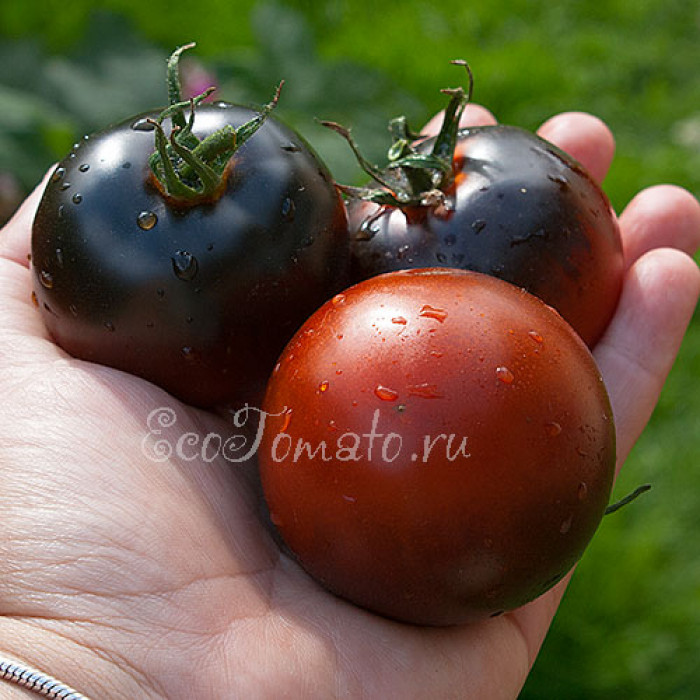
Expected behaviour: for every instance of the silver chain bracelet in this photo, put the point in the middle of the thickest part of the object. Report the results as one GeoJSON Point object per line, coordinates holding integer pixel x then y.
{"type": "Point", "coordinates": [39, 682]}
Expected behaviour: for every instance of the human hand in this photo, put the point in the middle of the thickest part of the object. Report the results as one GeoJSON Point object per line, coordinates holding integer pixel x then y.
{"type": "Point", "coordinates": [128, 572]}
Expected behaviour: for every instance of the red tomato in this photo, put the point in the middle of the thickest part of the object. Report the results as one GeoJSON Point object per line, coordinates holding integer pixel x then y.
{"type": "Point", "coordinates": [444, 446]}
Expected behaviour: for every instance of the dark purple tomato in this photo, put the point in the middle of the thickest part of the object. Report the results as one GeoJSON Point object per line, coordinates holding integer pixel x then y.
{"type": "Point", "coordinates": [201, 297]}
{"type": "Point", "coordinates": [439, 446]}
{"type": "Point", "coordinates": [492, 199]}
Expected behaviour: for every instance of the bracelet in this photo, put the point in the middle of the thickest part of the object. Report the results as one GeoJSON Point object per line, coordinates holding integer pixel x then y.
{"type": "Point", "coordinates": [39, 682]}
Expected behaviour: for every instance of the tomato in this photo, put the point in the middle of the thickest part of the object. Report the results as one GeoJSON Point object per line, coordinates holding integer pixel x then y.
{"type": "Point", "coordinates": [194, 286]}
{"type": "Point", "coordinates": [439, 446]}
{"type": "Point", "coordinates": [497, 200]}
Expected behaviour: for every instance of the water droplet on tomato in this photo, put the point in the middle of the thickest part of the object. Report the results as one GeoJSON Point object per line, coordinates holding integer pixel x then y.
{"type": "Point", "coordinates": [65, 186]}
{"type": "Point", "coordinates": [400, 320]}
{"type": "Point", "coordinates": [35, 300]}
{"type": "Point", "coordinates": [46, 279]}
{"type": "Point", "coordinates": [126, 165]}
{"type": "Point", "coordinates": [528, 236]}
{"type": "Point", "coordinates": [479, 225]}
{"type": "Point", "coordinates": [385, 394]}
{"type": "Point", "coordinates": [553, 429]}
{"type": "Point", "coordinates": [142, 125]}
{"type": "Point", "coordinates": [77, 198]}
{"type": "Point", "coordinates": [84, 167]}
{"type": "Point", "coordinates": [146, 220]}
{"type": "Point", "coordinates": [368, 230]}
{"type": "Point", "coordinates": [73, 309]}
{"type": "Point", "coordinates": [291, 148]}
{"type": "Point", "coordinates": [428, 311]}
{"type": "Point", "coordinates": [58, 174]}
{"type": "Point", "coordinates": [185, 265]}
{"type": "Point", "coordinates": [441, 258]}
{"type": "Point", "coordinates": [323, 386]}
{"type": "Point", "coordinates": [534, 335]}
{"type": "Point", "coordinates": [560, 181]}
{"type": "Point", "coordinates": [504, 375]}
{"type": "Point", "coordinates": [582, 491]}
{"type": "Point", "coordinates": [189, 353]}
{"type": "Point", "coordinates": [109, 326]}
{"type": "Point", "coordinates": [288, 209]}
{"type": "Point", "coordinates": [286, 421]}
{"type": "Point", "coordinates": [425, 391]}
{"type": "Point", "coordinates": [338, 299]}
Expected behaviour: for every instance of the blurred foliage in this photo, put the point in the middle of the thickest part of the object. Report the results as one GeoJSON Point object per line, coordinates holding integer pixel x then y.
{"type": "Point", "coordinates": [112, 72]}
{"type": "Point", "coordinates": [629, 626]}
{"type": "Point", "coordinates": [630, 623]}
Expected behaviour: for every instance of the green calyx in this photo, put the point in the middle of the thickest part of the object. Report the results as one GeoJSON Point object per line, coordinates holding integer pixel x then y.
{"type": "Point", "coordinates": [412, 177]}
{"type": "Point", "coordinates": [186, 169]}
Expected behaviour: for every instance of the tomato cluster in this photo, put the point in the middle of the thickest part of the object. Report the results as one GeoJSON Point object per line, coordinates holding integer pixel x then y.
{"type": "Point", "coordinates": [439, 443]}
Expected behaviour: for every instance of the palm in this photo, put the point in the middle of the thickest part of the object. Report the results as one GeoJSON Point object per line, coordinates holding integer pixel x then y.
{"type": "Point", "coordinates": [160, 564]}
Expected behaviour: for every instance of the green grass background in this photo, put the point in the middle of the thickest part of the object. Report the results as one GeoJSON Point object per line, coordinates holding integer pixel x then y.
{"type": "Point", "coordinates": [629, 626]}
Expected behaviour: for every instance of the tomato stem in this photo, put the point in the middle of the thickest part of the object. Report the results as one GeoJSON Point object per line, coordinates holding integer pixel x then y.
{"type": "Point", "coordinates": [173, 81]}
{"type": "Point", "coordinates": [627, 499]}
{"type": "Point", "coordinates": [188, 170]}
{"type": "Point", "coordinates": [413, 177]}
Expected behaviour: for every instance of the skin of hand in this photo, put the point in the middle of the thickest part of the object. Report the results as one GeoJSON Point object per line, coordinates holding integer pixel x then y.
{"type": "Point", "coordinates": [129, 571]}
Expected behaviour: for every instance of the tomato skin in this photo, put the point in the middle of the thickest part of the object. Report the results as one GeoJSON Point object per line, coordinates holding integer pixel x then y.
{"type": "Point", "coordinates": [522, 210]}
{"type": "Point", "coordinates": [445, 539]}
{"type": "Point", "coordinates": [202, 299]}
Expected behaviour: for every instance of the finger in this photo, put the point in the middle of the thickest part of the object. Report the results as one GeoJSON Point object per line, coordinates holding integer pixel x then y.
{"type": "Point", "coordinates": [474, 115]}
{"type": "Point", "coordinates": [637, 351]}
{"type": "Point", "coordinates": [660, 216]}
{"type": "Point", "coordinates": [583, 136]}
{"type": "Point", "coordinates": [15, 237]}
